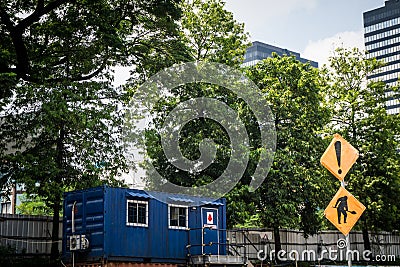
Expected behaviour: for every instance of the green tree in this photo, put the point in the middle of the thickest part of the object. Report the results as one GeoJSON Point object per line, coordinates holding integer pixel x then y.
{"type": "Point", "coordinates": [213, 35]}
{"type": "Point", "coordinates": [64, 137]}
{"type": "Point", "coordinates": [360, 116]}
{"type": "Point", "coordinates": [211, 32]}
{"type": "Point", "coordinates": [37, 38]}
{"type": "Point", "coordinates": [294, 188]}
{"type": "Point", "coordinates": [55, 68]}
{"type": "Point", "coordinates": [33, 205]}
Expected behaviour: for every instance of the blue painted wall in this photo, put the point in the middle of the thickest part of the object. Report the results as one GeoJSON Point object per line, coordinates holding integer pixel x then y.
{"type": "Point", "coordinates": [101, 214]}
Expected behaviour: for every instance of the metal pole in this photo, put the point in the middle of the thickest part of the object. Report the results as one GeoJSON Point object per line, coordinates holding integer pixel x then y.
{"type": "Point", "coordinates": [349, 264]}
{"type": "Point", "coordinates": [73, 229]}
{"type": "Point", "coordinates": [73, 218]}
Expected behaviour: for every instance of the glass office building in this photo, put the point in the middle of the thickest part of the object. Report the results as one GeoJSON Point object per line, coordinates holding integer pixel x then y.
{"type": "Point", "coordinates": [259, 51]}
{"type": "Point", "coordinates": [382, 40]}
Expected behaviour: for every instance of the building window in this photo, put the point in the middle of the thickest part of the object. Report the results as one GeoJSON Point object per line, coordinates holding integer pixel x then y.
{"type": "Point", "coordinates": [137, 213]}
{"type": "Point", "coordinates": [5, 208]}
{"type": "Point", "coordinates": [178, 217]}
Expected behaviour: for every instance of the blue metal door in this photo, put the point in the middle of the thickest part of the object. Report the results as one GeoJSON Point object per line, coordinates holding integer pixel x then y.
{"type": "Point", "coordinates": [209, 218]}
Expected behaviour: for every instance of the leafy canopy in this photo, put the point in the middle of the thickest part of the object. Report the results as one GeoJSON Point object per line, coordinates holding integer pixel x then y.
{"type": "Point", "coordinates": [293, 191]}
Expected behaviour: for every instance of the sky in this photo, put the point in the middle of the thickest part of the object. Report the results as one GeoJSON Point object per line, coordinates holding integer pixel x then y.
{"type": "Point", "coordinates": [314, 28]}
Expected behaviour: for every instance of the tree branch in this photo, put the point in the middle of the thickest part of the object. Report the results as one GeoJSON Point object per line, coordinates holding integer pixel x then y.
{"type": "Point", "coordinates": [91, 75]}
{"type": "Point", "coordinates": [39, 12]}
{"type": "Point", "coordinates": [22, 65]}
{"type": "Point", "coordinates": [16, 33]}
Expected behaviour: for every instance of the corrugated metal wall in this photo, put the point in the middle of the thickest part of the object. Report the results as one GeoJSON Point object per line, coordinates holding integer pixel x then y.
{"type": "Point", "coordinates": [383, 243]}
{"type": "Point", "coordinates": [89, 219]}
{"type": "Point", "coordinates": [27, 234]}
{"type": "Point", "coordinates": [157, 242]}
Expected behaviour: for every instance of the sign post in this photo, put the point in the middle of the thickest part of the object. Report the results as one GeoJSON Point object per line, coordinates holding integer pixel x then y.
{"type": "Point", "coordinates": [349, 264]}
{"type": "Point", "coordinates": [344, 210]}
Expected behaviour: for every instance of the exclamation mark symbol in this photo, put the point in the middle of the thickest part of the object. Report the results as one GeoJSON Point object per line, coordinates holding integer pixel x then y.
{"type": "Point", "coordinates": [338, 149]}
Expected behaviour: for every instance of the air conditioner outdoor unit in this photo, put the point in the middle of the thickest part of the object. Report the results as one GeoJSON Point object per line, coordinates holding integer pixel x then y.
{"type": "Point", "coordinates": [78, 242]}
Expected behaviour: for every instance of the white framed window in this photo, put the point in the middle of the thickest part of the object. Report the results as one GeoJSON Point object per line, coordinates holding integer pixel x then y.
{"type": "Point", "coordinates": [5, 208]}
{"type": "Point", "coordinates": [137, 213]}
{"type": "Point", "coordinates": [177, 216]}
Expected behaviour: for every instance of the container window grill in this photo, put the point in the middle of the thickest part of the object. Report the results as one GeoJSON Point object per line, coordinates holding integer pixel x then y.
{"type": "Point", "coordinates": [178, 217]}
{"type": "Point", "coordinates": [137, 213]}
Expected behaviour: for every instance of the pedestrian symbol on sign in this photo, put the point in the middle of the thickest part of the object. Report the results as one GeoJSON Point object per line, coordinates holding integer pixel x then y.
{"type": "Point", "coordinates": [344, 210]}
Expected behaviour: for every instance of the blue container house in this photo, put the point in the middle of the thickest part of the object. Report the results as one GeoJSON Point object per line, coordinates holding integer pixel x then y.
{"type": "Point", "coordinates": [129, 225]}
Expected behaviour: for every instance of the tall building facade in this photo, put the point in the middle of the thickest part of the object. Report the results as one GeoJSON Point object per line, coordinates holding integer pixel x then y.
{"type": "Point", "coordinates": [382, 41]}
{"type": "Point", "coordinates": [259, 51]}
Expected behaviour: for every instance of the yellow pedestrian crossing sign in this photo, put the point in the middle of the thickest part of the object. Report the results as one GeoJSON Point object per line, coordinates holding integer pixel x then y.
{"type": "Point", "coordinates": [344, 210]}
{"type": "Point", "coordinates": [339, 157]}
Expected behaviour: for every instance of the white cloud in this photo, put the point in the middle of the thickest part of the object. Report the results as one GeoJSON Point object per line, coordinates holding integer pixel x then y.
{"type": "Point", "coordinates": [321, 50]}
{"type": "Point", "coordinates": [268, 9]}
{"type": "Point", "coordinates": [260, 15]}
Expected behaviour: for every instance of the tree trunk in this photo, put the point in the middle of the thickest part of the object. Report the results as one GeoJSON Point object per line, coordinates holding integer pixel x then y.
{"type": "Point", "coordinates": [57, 196]}
{"type": "Point", "coordinates": [367, 243]}
{"type": "Point", "coordinates": [55, 232]}
{"type": "Point", "coordinates": [277, 241]}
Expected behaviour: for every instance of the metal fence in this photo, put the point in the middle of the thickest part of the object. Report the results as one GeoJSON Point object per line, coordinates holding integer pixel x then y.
{"type": "Point", "coordinates": [32, 235]}
{"type": "Point", "coordinates": [382, 243]}
{"type": "Point", "coordinates": [27, 234]}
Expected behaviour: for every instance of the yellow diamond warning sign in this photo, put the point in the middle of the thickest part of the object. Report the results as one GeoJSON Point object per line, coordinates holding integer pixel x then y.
{"type": "Point", "coordinates": [344, 210]}
{"type": "Point", "coordinates": [339, 157]}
